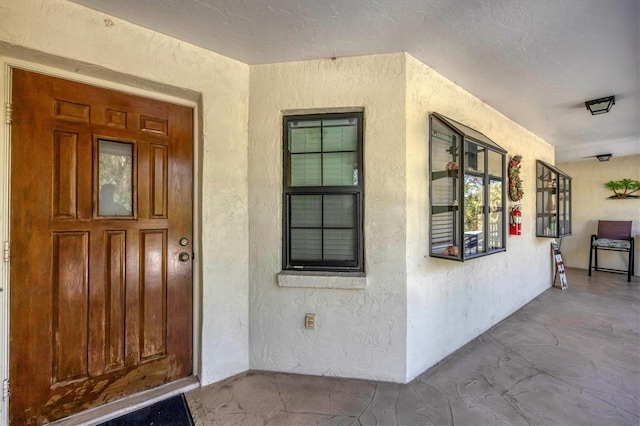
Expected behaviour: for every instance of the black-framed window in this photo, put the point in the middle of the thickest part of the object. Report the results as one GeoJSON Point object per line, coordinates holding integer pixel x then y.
{"type": "Point", "coordinates": [323, 192]}
{"type": "Point", "coordinates": [467, 191]}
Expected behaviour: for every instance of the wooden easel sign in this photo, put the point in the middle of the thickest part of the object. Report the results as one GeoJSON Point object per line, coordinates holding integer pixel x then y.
{"type": "Point", "coordinates": [559, 270]}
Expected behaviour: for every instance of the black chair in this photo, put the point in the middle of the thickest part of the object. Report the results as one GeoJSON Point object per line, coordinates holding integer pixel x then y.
{"type": "Point", "coordinates": [613, 235]}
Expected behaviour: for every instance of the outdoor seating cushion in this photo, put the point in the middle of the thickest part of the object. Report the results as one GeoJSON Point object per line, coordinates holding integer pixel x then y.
{"type": "Point", "coordinates": [608, 243]}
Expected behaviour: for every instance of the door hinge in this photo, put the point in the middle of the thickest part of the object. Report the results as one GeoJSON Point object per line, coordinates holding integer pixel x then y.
{"type": "Point", "coordinates": [6, 254]}
{"type": "Point", "coordinates": [9, 113]}
{"type": "Point", "coordinates": [5, 389]}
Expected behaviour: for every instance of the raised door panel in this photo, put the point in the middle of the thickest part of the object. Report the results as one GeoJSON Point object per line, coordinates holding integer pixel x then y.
{"type": "Point", "coordinates": [65, 172]}
{"type": "Point", "coordinates": [70, 306]}
{"type": "Point", "coordinates": [153, 294]}
{"type": "Point", "coordinates": [115, 303]}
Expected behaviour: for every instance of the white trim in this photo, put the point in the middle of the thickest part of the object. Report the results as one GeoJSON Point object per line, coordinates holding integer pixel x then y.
{"type": "Point", "coordinates": [95, 81]}
{"type": "Point", "coordinates": [6, 64]}
{"type": "Point", "coordinates": [5, 164]}
{"type": "Point", "coordinates": [317, 279]}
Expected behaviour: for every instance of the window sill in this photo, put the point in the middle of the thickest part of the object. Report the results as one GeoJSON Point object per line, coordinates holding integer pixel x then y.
{"type": "Point", "coordinates": [320, 279]}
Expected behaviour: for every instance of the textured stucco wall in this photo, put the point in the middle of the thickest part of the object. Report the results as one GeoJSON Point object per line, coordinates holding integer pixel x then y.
{"type": "Point", "coordinates": [448, 302]}
{"type": "Point", "coordinates": [414, 309]}
{"type": "Point", "coordinates": [71, 37]}
{"type": "Point", "coordinates": [590, 204]}
{"type": "Point", "coordinates": [359, 333]}
{"type": "Point", "coordinates": [362, 333]}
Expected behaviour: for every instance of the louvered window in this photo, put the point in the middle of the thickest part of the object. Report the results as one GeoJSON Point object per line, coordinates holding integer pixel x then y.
{"type": "Point", "coordinates": [323, 189]}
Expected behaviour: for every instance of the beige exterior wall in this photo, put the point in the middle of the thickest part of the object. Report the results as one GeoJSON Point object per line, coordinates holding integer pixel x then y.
{"type": "Point", "coordinates": [69, 37]}
{"type": "Point", "coordinates": [591, 203]}
{"type": "Point", "coordinates": [414, 309]}
{"type": "Point", "coordinates": [359, 332]}
{"type": "Point", "coordinates": [448, 302]}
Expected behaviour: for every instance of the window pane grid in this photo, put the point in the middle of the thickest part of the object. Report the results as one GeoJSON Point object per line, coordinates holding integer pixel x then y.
{"type": "Point", "coordinates": [467, 192]}
{"type": "Point", "coordinates": [324, 154]}
{"type": "Point", "coordinates": [323, 192]}
{"type": "Point", "coordinates": [316, 232]}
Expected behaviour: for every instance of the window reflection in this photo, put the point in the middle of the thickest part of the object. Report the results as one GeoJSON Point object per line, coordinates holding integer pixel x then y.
{"type": "Point", "coordinates": [474, 214]}
{"type": "Point", "coordinates": [474, 203]}
{"type": "Point", "coordinates": [115, 176]}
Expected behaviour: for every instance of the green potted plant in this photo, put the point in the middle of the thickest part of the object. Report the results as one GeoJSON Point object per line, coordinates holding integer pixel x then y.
{"type": "Point", "coordinates": [623, 188]}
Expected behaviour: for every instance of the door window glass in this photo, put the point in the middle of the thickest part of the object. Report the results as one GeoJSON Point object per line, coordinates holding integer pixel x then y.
{"type": "Point", "coordinates": [115, 176]}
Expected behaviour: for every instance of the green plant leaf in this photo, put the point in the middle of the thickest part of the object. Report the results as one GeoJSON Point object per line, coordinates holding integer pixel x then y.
{"type": "Point", "coordinates": [623, 188]}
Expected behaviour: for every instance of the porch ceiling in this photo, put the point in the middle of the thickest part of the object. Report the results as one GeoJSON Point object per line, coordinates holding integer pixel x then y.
{"type": "Point", "coordinates": [536, 62]}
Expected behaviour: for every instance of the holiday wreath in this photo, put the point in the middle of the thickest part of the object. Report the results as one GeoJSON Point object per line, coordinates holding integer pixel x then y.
{"type": "Point", "coordinates": [515, 183]}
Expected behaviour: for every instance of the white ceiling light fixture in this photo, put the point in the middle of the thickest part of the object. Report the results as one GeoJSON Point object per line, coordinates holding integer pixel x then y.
{"type": "Point", "coordinates": [600, 106]}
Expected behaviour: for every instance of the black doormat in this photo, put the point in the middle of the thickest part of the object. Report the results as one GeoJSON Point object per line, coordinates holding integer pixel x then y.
{"type": "Point", "coordinates": [170, 412]}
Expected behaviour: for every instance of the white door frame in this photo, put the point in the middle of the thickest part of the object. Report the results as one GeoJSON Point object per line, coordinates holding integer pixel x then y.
{"type": "Point", "coordinates": [6, 65]}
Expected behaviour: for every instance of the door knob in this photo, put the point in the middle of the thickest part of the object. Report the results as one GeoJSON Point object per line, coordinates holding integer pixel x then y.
{"type": "Point", "coordinates": [184, 241]}
{"type": "Point", "coordinates": [184, 256]}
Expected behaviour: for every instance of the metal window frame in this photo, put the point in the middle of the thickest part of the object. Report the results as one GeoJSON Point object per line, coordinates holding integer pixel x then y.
{"type": "Point", "coordinates": [288, 191]}
{"type": "Point", "coordinates": [468, 134]}
{"type": "Point", "coordinates": [567, 201]}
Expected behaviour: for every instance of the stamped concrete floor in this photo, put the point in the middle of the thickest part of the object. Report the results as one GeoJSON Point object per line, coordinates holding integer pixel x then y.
{"type": "Point", "coordinates": [567, 358]}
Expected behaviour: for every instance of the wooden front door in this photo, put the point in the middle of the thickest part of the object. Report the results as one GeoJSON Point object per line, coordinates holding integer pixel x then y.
{"type": "Point", "coordinates": [101, 246]}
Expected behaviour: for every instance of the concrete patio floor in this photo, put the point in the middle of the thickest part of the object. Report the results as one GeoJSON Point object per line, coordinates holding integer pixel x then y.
{"type": "Point", "coordinates": [567, 358]}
